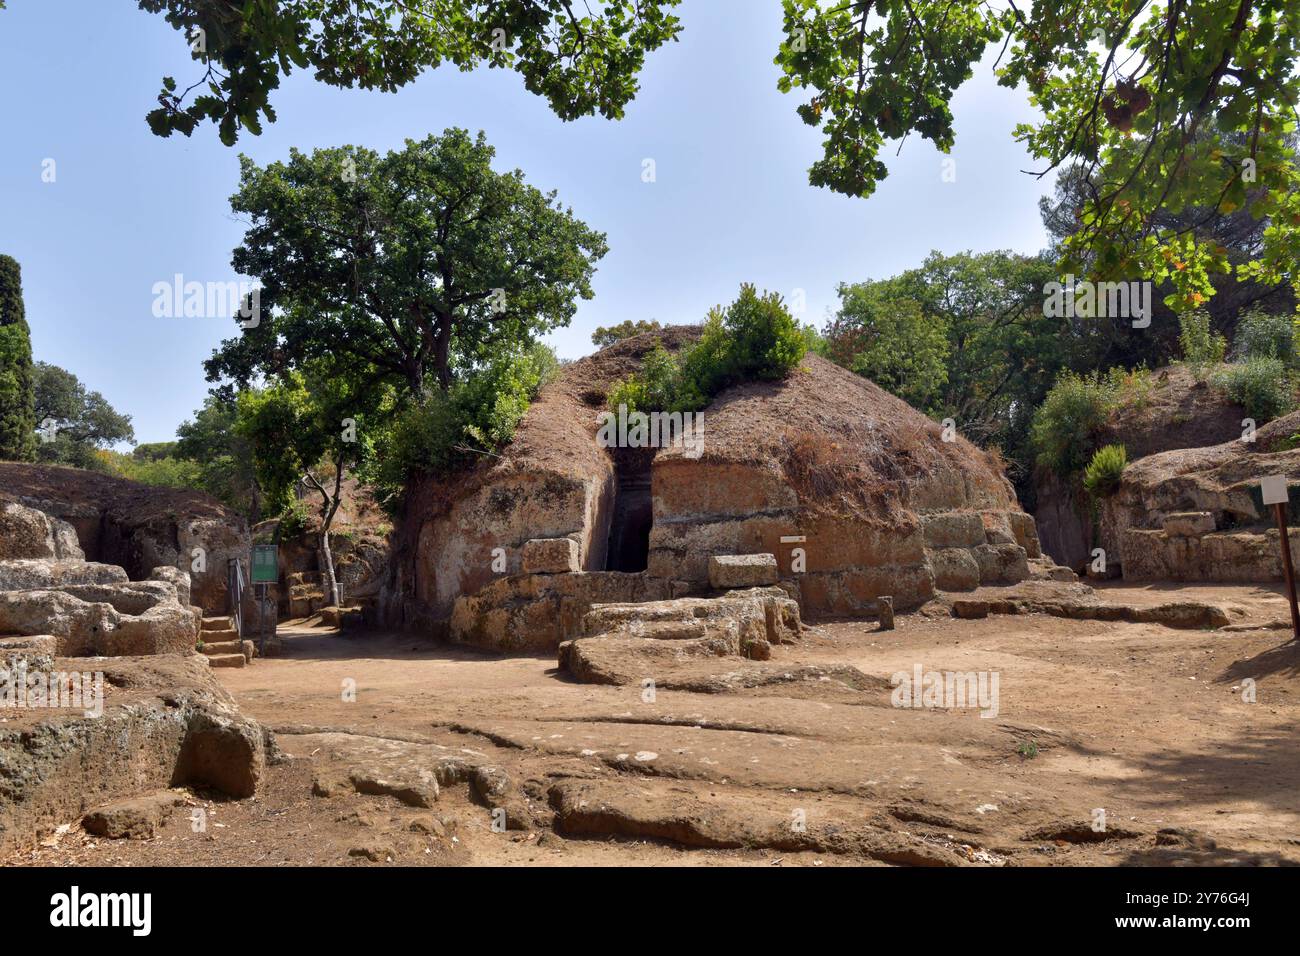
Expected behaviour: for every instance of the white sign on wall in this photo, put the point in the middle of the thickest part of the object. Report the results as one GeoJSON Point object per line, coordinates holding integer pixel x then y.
{"type": "Point", "coordinates": [1274, 490]}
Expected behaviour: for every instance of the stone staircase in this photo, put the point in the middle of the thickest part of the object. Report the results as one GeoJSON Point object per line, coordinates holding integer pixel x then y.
{"type": "Point", "coordinates": [221, 643]}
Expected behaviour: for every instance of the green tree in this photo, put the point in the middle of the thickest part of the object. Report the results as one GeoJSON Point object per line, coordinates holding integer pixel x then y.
{"type": "Point", "coordinates": [447, 429]}
{"type": "Point", "coordinates": [581, 62]}
{"type": "Point", "coordinates": [308, 429]}
{"type": "Point", "coordinates": [225, 457]}
{"type": "Point", "coordinates": [608, 335]}
{"type": "Point", "coordinates": [885, 336]}
{"type": "Point", "coordinates": [963, 336]}
{"type": "Point", "coordinates": [73, 422]}
{"type": "Point", "coordinates": [406, 266]}
{"type": "Point", "coordinates": [1167, 107]}
{"type": "Point", "coordinates": [17, 411]}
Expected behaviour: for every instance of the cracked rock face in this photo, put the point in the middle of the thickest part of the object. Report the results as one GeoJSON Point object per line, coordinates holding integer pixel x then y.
{"type": "Point", "coordinates": [28, 533]}
{"type": "Point", "coordinates": [166, 723]}
{"type": "Point", "coordinates": [87, 608]}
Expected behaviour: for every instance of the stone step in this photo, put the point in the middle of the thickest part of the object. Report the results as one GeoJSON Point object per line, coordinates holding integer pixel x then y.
{"type": "Point", "coordinates": [217, 637]}
{"type": "Point", "coordinates": [227, 660]}
{"type": "Point", "coordinates": [222, 647]}
{"type": "Point", "coordinates": [217, 623]}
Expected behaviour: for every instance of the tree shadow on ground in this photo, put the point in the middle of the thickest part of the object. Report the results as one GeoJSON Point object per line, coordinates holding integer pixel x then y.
{"type": "Point", "coordinates": [1208, 855]}
{"type": "Point", "coordinates": [1283, 659]}
{"type": "Point", "coordinates": [1261, 767]}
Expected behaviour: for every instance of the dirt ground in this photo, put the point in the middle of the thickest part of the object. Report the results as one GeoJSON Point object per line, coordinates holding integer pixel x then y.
{"type": "Point", "coordinates": [1113, 743]}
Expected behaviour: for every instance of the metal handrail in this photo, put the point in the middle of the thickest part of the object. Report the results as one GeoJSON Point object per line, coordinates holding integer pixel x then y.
{"type": "Point", "coordinates": [235, 580]}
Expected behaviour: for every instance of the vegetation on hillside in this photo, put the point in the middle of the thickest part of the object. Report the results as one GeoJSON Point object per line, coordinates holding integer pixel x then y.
{"type": "Point", "coordinates": [608, 335]}
{"type": "Point", "coordinates": [754, 338]}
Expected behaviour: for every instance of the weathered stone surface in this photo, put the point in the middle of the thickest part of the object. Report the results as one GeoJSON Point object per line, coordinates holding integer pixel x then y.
{"type": "Point", "coordinates": [1025, 530]}
{"type": "Point", "coordinates": [551, 556]}
{"type": "Point", "coordinates": [1001, 564]}
{"type": "Point", "coordinates": [1247, 555]}
{"type": "Point", "coordinates": [29, 533]}
{"type": "Point", "coordinates": [970, 609]}
{"type": "Point", "coordinates": [32, 574]}
{"type": "Point", "coordinates": [1222, 481]}
{"type": "Point", "coordinates": [742, 570]}
{"type": "Point", "coordinates": [419, 791]}
{"type": "Point", "coordinates": [1081, 602]}
{"type": "Point", "coordinates": [538, 611]}
{"type": "Point", "coordinates": [696, 815]}
{"type": "Point", "coordinates": [1045, 569]}
{"type": "Point", "coordinates": [955, 569]}
{"type": "Point", "coordinates": [136, 818]}
{"type": "Point", "coordinates": [1188, 524]}
{"type": "Point", "coordinates": [627, 640]}
{"type": "Point", "coordinates": [177, 578]}
{"type": "Point", "coordinates": [138, 527]}
{"type": "Point", "coordinates": [141, 617]}
{"type": "Point", "coordinates": [953, 529]}
{"type": "Point", "coordinates": [166, 723]}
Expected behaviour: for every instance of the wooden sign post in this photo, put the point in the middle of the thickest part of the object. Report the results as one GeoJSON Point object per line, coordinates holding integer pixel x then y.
{"type": "Point", "coordinates": [1274, 491]}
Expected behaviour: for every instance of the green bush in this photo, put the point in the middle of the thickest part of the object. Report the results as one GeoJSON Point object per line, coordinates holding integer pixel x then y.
{"type": "Point", "coordinates": [1262, 386]}
{"type": "Point", "coordinates": [295, 520]}
{"type": "Point", "coordinates": [1201, 347]}
{"type": "Point", "coordinates": [1101, 477]}
{"type": "Point", "coordinates": [765, 341]}
{"type": "Point", "coordinates": [659, 386]}
{"type": "Point", "coordinates": [1260, 335]}
{"type": "Point", "coordinates": [476, 416]}
{"type": "Point", "coordinates": [163, 471]}
{"type": "Point", "coordinates": [1067, 426]}
{"type": "Point", "coordinates": [753, 338]}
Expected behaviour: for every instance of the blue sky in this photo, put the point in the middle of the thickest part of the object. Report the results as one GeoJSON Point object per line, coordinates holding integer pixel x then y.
{"type": "Point", "coordinates": [731, 202]}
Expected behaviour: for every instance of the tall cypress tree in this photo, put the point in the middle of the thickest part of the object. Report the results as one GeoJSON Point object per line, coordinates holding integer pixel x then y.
{"type": "Point", "coordinates": [17, 401]}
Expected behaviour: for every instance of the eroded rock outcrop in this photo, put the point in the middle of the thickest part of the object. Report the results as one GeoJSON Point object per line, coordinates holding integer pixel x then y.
{"type": "Point", "coordinates": [165, 723]}
{"type": "Point", "coordinates": [627, 642]}
{"type": "Point", "coordinates": [119, 522]}
{"type": "Point", "coordinates": [856, 495]}
{"type": "Point", "coordinates": [1197, 514]}
{"type": "Point", "coordinates": [104, 620]}
{"type": "Point", "coordinates": [1175, 411]}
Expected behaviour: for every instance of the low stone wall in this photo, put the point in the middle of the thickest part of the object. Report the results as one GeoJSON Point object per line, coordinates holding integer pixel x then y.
{"type": "Point", "coordinates": [1197, 514]}
{"type": "Point", "coordinates": [1249, 556]}
{"type": "Point", "coordinates": [535, 612]}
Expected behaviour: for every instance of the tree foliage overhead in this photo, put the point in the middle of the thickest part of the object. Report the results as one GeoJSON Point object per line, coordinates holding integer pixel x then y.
{"type": "Point", "coordinates": [17, 414]}
{"type": "Point", "coordinates": [1167, 107]}
{"type": "Point", "coordinates": [582, 62]}
{"type": "Point", "coordinates": [410, 265]}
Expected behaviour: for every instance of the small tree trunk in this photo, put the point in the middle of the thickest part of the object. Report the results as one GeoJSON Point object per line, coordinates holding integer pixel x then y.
{"type": "Point", "coordinates": [331, 582]}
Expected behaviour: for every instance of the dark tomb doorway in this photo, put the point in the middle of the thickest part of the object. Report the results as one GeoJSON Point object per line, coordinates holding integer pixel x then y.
{"type": "Point", "coordinates": [629, 529]}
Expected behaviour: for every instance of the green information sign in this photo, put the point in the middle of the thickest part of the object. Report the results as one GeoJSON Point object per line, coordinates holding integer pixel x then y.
{"type": "Point", "coordinates": [265, 564]}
